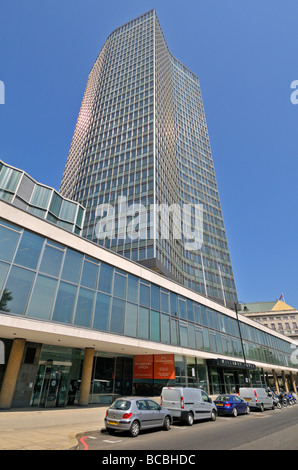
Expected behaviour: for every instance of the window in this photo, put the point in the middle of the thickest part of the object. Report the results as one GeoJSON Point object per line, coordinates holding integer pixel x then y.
{"type": "Point", "coordinates": [119, 285]}
{"type": "Point", "coordinates": [144, 294]}
{"type": "Point", "coordinates": [8, 242]}
{"type": "Point", "coordinates": [153, 405]}
{"type": "Point", "coordinates": [154, 325]}
{"type": "Point", "coordinates": [84, 307]}
{"type": "Point", "coordinates": [89, 274]}
{"type": "Point", "coordinates": [205, 396]}
{"type": "Point", "coordinates": [143, 323]}
{"type": "Point", "coordinates": [164, 301]}
{"type": "Point", "coordinates": [51, 261]}
{"type": "Point", "coordinates": [42, 298]}
{"type": "Point", "coordinates": [132, 288]}
{"type": "Point", "coordinates": [105, 278]}
{"type": "Point", "coordinates": [64, 306]}
{"type": "Point", "coordinates": [117, 316]}
{"type": "Point", "coordinates": [182, 308]}
{"type": "Point", "coordinates": [101, 312]}
{"type": "Point", "coordinates": [17, 290]}
{"type": "Point", "coordinates": [72, 266]}
{"type": "Point", "coordinates": [131, 316]}
{"type": "Point", "coordinates": [154, 297]}
{"type": "Point", "coordinates": [29, 250]}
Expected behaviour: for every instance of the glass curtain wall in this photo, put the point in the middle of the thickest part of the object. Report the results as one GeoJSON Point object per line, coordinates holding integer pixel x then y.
{"type": "Point", "coordinates": [42, 279]}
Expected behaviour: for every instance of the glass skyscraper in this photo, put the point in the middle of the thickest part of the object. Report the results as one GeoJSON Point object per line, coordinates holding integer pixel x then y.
{"type": "Point", "coordinates": [141, 147]}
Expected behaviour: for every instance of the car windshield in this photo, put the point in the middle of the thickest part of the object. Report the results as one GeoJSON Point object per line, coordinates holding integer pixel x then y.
{"type": "Point", "coordinates": [223, 398]}
{"type": "Point", "coordinates": [121, 405]}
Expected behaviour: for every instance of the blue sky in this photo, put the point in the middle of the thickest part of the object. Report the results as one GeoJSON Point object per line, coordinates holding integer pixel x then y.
{"type": "Point", "coordinates": [245, 55]}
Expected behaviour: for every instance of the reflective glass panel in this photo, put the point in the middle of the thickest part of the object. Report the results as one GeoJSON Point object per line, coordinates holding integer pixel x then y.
{"type": "Point", "coordinates": [182, 308]}
{"type": "Point", "coordinates": [165, 328]}
{"type": "Point", "coordinates": [89, 274]}
{"type": "Point", "coordinates": [119, 285]}
{"type": "Point", "coordinates": [131, 317]}
{"type": "Point", "coordinates": [101, 313]}
{"type": "Point", "coordinates": [84, 307]}
{"type": "Point", "coordinates": [143, 323]}
{"type": "Point", "coordinates": [154, 325]}
{"type": "Point", "coordinates": [29, 250]}
{"type": "Point", "coordinates": [64, 306]}
{"type": "Point", "coordinates": [197, 314]}
{"type": "Point", "coordinates": [174, 332]}
{"type": "Point", "coordinates": [183, 335]}
{"type": "Point", "coordinates": [164, 301]}
{"type": "Point", "coordinates": [3, 271]}
{"type": "Point", "coordinates": [8, 242]}
{"type": "Point", "coordinates": [173, 303]}
{"type": "Point", "coordinates": [51, 261]}
{"type": "Point", "coordinates": [132, 288]}
{"type": "Point", "coordinates": [189, 305]}
{"type": "Point", "coordinates": [117, 316]}
{"type": "Point", "coordinates": [154, 297]}
{"type": "Point", "coordinates": [42, 298]}
{"type": "Point", "coordinates": [72, 266]}
{"type": "Point", "coordinates": [144, 295]}
{"type": "Point", "coordinates": [105, 278]}
{"type": "Point", "coordinates": [17, 290]}
{"type": "Point", "coordinates": [41, 197]}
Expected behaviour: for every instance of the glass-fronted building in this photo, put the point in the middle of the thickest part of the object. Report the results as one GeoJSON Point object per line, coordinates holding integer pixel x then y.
{"type": "Point", "coordinates": [62, 296]}
{"type": "Point", "coordinates": [141, 135]}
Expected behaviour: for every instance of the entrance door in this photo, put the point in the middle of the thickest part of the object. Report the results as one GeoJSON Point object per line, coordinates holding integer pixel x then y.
{"type": "Point", "coordinates": [230, 383]}
{"type": "Point", "coordinates": [51, 386]}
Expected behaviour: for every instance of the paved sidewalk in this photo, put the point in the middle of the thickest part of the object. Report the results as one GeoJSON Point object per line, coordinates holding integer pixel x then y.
{"type": "Point", "coordinates": [48, 429]}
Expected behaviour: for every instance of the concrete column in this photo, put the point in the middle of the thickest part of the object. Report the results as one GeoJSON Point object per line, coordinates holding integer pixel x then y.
{"type": "Point", "coordinates": [293, 382]}
{"type": "Point", "coordinates": [11, 373]}
{"type": "Point", "coordinates": [275, 381]}
{"type": "Point", "coordinates": [285, 382]}
{"type": "Point", "coordinates": [86, 377]}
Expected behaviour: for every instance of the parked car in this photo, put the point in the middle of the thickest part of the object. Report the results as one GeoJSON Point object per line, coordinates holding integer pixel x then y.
{"type": "Point", "coordinates": [188, 404]}
{"type": "Point", "coordinates": [231, 405]}
{"type": "Point", "coordinates": [134, 414]}
{"type": "Point", "coordinates": [257, 398]}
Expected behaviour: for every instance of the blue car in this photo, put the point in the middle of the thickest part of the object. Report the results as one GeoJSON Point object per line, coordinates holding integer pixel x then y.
{"type": "Point", "coordinates": [231, 405]}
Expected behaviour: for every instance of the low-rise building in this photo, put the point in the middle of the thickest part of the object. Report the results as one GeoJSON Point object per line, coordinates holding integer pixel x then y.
{"type": "Point", "coordinates": [276, 314]}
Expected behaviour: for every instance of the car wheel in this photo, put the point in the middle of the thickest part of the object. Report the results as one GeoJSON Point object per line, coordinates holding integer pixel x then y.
{"type": "Point", "coordinates": [248, 410]}
{"type": "Point", "coordinates": [189, 419]}
{"type": "Point", "coordinates": [235, 412]}
{"type": "Point", "coordinates": [135, 429]}
{"type": "Point", "coordinates": [167, 423]}
{"type": "Point", "coordinates": [213, 415]}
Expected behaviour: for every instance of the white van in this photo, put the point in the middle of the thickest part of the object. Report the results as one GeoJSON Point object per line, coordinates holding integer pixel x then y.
{"type": "Point", "coordinates": [257, 398]}
{"type": "Point", "coordinates": [188, 404]}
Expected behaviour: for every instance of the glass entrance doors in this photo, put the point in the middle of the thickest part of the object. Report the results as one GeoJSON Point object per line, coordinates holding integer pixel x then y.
{"type": "Point", "coordinates": [51, 386]}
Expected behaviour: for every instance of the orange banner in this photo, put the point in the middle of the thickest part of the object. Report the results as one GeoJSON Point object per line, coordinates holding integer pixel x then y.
{"type": "Point", "coordinates": [143, 367]}
{"type": "Point", "coordinates": [164, 366]}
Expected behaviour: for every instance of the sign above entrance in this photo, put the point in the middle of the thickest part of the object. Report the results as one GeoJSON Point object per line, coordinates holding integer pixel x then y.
{"type": "Point", "coordinates": [228, 363]}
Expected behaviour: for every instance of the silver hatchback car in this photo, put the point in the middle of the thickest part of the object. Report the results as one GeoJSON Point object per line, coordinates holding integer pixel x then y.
{"type": "Point", "coordinates": [133, 414]}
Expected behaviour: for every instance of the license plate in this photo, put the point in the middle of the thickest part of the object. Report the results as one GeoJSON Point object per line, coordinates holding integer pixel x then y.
{"type": "Point", "coordinates": [113, 422]}
{"type": "Point", "coordinates": [247, 399]}
{"type": "Point", "coordinates": [219, 404]}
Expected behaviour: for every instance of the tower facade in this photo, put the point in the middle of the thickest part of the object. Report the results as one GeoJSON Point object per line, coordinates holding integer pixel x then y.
{"type": "Point", "coordinates": [140, 163]}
